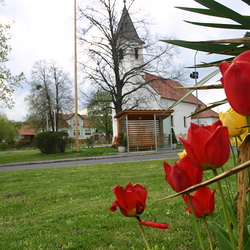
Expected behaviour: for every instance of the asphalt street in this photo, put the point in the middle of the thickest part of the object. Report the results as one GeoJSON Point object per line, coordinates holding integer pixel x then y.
{"type": "Point", "coordinates": [116, 158]}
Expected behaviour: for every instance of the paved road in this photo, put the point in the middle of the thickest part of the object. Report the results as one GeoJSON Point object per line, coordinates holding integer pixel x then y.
{"type": "Point", "coordinates": [88, 161]}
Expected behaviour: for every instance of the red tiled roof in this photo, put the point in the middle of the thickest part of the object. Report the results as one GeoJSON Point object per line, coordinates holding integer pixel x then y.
{"type": "Point", "coordinates": [65, 117]}
{"type": "Point", "coordinates": [27, 130]}
{"type": "Point", "coordinates": [168, 89]}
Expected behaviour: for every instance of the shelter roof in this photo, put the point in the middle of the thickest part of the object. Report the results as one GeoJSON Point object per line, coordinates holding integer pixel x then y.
{"type": "Point", "coordinates": [124, 113]}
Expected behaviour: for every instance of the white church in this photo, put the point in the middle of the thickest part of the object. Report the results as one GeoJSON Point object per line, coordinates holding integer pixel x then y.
{"type": "Point", "coordinates": [149, 124]}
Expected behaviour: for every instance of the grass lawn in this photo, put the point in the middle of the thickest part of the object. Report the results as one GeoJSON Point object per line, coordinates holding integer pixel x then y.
{"type": "Point", "coordinates": [36, 155]}
{"type": "Point", "coordinates": [68, 208]}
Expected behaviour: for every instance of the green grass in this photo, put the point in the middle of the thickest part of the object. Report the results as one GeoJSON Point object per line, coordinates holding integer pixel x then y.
{"type": "Point", "coordinates": [68, 208]}
{"type": "Point", "coordinates": [36, 155]}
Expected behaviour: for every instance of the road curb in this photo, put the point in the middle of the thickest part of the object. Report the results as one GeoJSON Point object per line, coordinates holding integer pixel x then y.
{"type": "Point", "coordinates": [111, 155]}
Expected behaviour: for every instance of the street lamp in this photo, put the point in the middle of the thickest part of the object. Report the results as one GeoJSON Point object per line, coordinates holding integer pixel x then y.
{"type": "Point", "coordinates": [195, 75]}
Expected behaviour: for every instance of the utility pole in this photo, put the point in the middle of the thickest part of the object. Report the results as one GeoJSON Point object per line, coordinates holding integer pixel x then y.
{"type": "Point", "coordinates": [75, 79]}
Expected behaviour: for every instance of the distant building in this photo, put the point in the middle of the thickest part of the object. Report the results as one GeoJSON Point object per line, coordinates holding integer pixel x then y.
{"type": "Point", "coordinates": [27, 134]}
{"type": "Point", "coordinates": [67, 124]}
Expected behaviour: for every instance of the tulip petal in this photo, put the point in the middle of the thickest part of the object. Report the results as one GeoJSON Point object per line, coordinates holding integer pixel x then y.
{"type": "Point", "coordinates": [114, 205]}
{"type": "Point", "coordinates": [127, 199]}
{"type": "Point", "coordinates": [202, 200]}
{"type": "Point", "coordinates": [191, 152]}
{"type": "Point", "coordinates": [224, 67]}
{"type": "Point", "coordinates": [141, 193]}
{"type": "Point", "coordinates": [194, 173]}
{"type": "Point", "coordinates": [217, 147]}
{"type": "Point", "coordinates": [243, 57]}
{"type": "Point", "coordinates": [197, 135]}
{"type": "Point", "coordinates": [197, 204]}
{"type": "Point", "coordinates": [168, 171]}
{"type": "Point", "coordinates": [154, 224]}
{"type": "Point", "coordinates": [237, 87]}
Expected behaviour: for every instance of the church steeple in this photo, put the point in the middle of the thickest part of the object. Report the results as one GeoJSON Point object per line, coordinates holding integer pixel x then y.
{"type": "Point", "coordinates": [126, 28]}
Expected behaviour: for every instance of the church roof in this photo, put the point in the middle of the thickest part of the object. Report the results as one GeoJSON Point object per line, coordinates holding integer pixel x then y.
{"type": "Point", "coordinates": [126, 28]}
{"type": "Point", "coordinates": [168, 89]}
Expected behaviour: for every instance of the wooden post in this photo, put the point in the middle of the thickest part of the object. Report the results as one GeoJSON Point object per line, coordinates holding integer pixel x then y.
{"type": "Point", "coordinates": [242, 181]}
{"type": "Point", "coordinates": [75, 80]}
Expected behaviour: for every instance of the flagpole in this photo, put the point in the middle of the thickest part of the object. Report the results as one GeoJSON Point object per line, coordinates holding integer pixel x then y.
{"type": "Point", "coordinates": [75, 80]}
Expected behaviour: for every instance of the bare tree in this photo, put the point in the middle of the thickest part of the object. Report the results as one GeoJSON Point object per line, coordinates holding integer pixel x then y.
{"type": "Point", "coordinates": [8, 82]}
{"type": "Point", "coordinates": [50, 95]}
{"type": "Point", "coordinates": [111, 43]}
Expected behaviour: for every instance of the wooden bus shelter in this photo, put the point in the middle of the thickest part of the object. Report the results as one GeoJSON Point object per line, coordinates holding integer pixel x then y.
{"type": "Point", "coordinates": [143, 129]}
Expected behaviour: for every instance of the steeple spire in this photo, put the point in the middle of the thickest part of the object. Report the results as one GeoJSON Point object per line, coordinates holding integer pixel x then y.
{"type": "Point", "coordinates": [126, 27]}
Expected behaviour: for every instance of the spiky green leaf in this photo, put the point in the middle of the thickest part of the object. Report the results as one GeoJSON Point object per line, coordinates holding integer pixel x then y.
{"type": "Point", "coordinates": [200, 11]}
{"type": "Point", "coordinates": [225, 11]}
{"type": "Point", "coordinates": [208, 47]}
{"type": "Point", "coordinates": [219, 25]}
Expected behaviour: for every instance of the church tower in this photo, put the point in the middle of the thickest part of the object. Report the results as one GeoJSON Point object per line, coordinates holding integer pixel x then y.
{"type": "Point", "coordinates": [130, 44]}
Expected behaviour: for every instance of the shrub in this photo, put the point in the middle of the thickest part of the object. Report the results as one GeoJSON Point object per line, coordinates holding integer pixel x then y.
{"type": "Point", "coordinates": [3, 146]}
{"type": "Point", "coordinates": [51, 142]}
{"type": "Point", "coordinates": [90, 141]}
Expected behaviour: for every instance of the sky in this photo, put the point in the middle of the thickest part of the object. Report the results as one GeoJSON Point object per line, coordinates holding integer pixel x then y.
{"type": "Point", "coordinates": [43, 29]}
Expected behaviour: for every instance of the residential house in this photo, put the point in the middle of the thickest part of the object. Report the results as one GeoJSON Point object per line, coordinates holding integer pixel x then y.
{"type": "Point", "coordinates": [67, 124]}
{"type": "Point", "coordinates": [27, 134]}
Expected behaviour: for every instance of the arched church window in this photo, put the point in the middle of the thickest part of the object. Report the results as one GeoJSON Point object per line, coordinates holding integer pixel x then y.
{"type": "Point", "coordinates": [136, 53]}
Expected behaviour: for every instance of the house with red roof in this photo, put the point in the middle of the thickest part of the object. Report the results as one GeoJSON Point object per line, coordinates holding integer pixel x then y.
{"type": "Point", "coordinates": [27, 134]}
{"type": "Point", "coordinates": [169, 92]}
{"type": "Point", "coordinates": [67, 124]}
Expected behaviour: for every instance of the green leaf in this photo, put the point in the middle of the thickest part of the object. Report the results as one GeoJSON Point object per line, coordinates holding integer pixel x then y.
{"type": "Point", "coordinates": [219, 25]}
{"type": "Point", "coordinates": [232, 215]}
{"type": "Point", "coordinates": [225, 11]}
{"type": "Point", "coordinates": [201, 11]}
{"type": "Point", "coordinates": [200, 83]}
{"type": "Point", "coordinates": [215, 104]}
{"type": "Point", "coordinates": [246, 1]}
{"type": "Point", "coordinates": [247, 234]}
{"type": "Point", "coordinates": [208, 47]}
{"type": "Point", "coordinates": [222, 236]}
{"type": "Point", "coordinates": [211, 64]}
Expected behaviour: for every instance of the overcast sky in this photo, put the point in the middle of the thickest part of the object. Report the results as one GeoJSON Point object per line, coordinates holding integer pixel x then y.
{"type": "Point", "coordinates": [43, 29]}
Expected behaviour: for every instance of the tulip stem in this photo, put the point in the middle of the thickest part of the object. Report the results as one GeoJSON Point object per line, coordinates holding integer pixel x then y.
{"type": "Point", "coordinates": [209, 233]}
{"type": "Point", "coordinates": [223, 203]}
{"type": "Point", "coordinates": [195, 222]}
{"type": "Point", "coordinates": [143, 234]}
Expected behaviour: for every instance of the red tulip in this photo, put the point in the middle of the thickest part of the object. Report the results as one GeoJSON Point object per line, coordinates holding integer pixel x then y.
{"type": "Point", "coordinates": [236, 82]}
{"type": "Point", "coordinates": [183, 174]}
{"type": "Point", "coordinates": [131, 200]}
{"type": "Point", "coordinates": [202, 200]}
{"type": "Point", "coordinates": [207, 146]}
